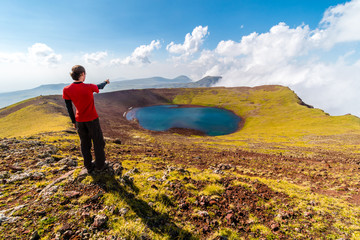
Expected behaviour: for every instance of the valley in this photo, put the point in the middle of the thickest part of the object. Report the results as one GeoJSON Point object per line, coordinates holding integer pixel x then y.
{"type": "Point", "coordinates": [290, 172]}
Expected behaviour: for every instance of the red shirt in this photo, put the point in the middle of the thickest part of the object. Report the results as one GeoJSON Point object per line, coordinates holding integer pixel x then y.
{"type": "Point", "coordinates": [81, 94]}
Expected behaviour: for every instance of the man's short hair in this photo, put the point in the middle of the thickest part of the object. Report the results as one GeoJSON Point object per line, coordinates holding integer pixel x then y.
{"type": "Point", "coordinates": [76, 71]}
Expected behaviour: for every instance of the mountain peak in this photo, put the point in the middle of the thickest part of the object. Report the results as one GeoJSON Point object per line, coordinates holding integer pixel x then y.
{"type": "Point", "coordinates": [183, 78]}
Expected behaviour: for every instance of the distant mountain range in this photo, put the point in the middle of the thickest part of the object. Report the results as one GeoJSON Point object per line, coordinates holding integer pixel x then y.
{"type": "Point", "coordinates": [9, 98]}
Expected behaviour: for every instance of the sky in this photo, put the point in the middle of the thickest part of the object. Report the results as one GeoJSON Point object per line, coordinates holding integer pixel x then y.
{"type": "Point", "coordinates": [313, 47]}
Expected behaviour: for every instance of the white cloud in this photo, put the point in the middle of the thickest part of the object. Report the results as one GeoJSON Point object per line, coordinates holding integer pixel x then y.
{"type": "Point", "coordinates": [340, 24]}
{"type": "Point", "coordinates": [38, 53]}
{"type": "Point", "coordinates": [140, 55]}
{"type": "Point", "coordinates": [95, 58]}
{"type": "Point", "coordinates": [12, 57]}
{"type": "Point", "coordinates": [191, 44]}
{"type": "Point", "coordinates": [43, 54]}
{"type": "Point", "coordinates": [295, 57]}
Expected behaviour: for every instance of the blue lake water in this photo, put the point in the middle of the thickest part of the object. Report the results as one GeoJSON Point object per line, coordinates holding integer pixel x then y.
{"type": "Point", "coordinates": [211, 121]}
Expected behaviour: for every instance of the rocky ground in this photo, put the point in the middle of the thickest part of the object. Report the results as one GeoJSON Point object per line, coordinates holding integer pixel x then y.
{"type": "Point", "coordinates": [165, 186]}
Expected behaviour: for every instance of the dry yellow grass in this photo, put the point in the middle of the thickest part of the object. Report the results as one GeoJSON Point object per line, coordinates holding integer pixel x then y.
{"type": "Point", "coordinates": [31, 120]}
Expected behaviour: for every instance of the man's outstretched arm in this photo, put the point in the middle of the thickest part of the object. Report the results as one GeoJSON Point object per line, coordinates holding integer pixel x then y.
{"type": "Point", "coordinates": [103, 84]}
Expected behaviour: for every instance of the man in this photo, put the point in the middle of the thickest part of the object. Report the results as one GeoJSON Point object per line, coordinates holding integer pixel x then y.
{"type": "Point", "coordinates": [86, 119]}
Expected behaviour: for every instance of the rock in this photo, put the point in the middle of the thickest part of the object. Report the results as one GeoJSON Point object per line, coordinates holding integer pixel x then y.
{"type": "Point", "coordinates": [203, 214]}
{"type": "Point", "coordinates": [68, 162]}
{"type": "Point", "coordinates": [171, 169]}
{"type": "Point", "coordinates": [117, 169]}
{"type": "Point", "coordinates": [132, 171]}
{"type": "Point", "coordinates": [117, 141]}
{"type": "Point", "coordinates": [44, 162]}
{"type": "Point", "coordinates": [34, 236]}
{"type": "Point", "coordinates": [308, 214]}
{"type": "Point", "coordinates": [127, 180]}
{"type": "Point", "coordinates": [99, 221]}
{"type": "Point", "coordinates": [61, 178]}
{"type": "Point", "coordinates": [4, 174]}
{"type": "Point", "coordinates": [213, 202]}
{"type": "Point", "coordinates": [223, 166]}
{"type": "Point", "coordinates": [64, 228]}
{"type": "Point", "coordinates": [274, 226]}
{"type": "Point", "coordinates": [86, 217]}
{"type": "Point", "coordinates": [123, 211]}
{"type": "Point", "coordinates": [37, 175]}
{"type": "Point", "coordinates": [71, 194]}
{"type": "Point", "coordinates": [184, 206]}
{"type": "Point", "coordinates": [67, 234]}
{"type": "Point", "coordinates": [229, 216]}
{"type": "Point", "coordinates": [218, 171]}
{"type": "Point", "coordinates": [4, 146]}
{"type": "Point", "coordinates": [3, 218]}
{"type": "Point", "coordinates": [164, 177]}
{"type": "Point", "coordinates": [19, 177]}
{"type": "Point", "coordinates": [50, 191]}
{"type": "Point", "coordinates": [152, 179]}
{"type": "Point", "coordinates": [15, 168]}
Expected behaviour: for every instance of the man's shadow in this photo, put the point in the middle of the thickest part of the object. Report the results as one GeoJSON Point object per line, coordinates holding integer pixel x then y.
{"type": "Point", "coordinates": [159, 223]}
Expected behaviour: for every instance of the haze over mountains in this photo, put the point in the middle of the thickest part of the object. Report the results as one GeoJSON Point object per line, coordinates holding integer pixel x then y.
{"type": "Point", "coordinates": [9, 98]}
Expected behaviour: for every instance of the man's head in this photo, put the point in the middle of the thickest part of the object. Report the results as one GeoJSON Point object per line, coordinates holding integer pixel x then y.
{"type": "Point", "coordinates": [77, 71]}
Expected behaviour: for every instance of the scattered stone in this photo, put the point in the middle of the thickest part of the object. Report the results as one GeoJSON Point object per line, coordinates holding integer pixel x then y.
{"type": "Point", "coordinates": [99, 221]}
{"type": "Point", "coordinates": [71, 194]}
{"type": "Point", "coordinates": [37, 175]}
{"type": "Point", "coordinates": [308, 214]}
{"type": "Point", "coordinates": [4, 146]}
{"type": "Point", "coordinates": [164, 177]}
{"type": "Point", "coordinates": [35, 236]}
{"type": "Point", "coordinates": [275, 226]}
{"type": "Point", "coordinates": [3, 218]}
{"type": "Point", "coordinates": [229, 216]}
{"type": "Point", "coordinates": [4, 174]}
{"type": "Point", "coordinates": [184, 206]}
{"type": "Point", "coordinates": [64, 228]}
{"type": "Point", "coordinates": [45, 162]}
{"type": "Point", "coordinates": [123, 211]}
{"type": "Point", "coordinates": [203, 214]}
{"type": "Point", "coordinates": [223, 166]}
{"type": "Point", "coordinates": [67, 234]}
{"type": "Point", "coordinates": [49, 192]}
{"type": "Point", "coordinates": [213, 202]}
{"type": "Point", "coordinates": [132, 171]}
{"type": "Point", "coordinates": [19, 177]}
{"type": "Point", "coordinates": [152, 179]}
{"type": "Point", "coordinates": [218, 171]}
{"type": "Point", "coordinates": [87, 218]}
{"type": "Point", "coordinates": [61, 178]}
{"type": "Point", "coordinates": [15, 168]}
{"type": "Point", "coordinates": [68, 162]}
{"type": "Point", "coordinates": [126, 179]}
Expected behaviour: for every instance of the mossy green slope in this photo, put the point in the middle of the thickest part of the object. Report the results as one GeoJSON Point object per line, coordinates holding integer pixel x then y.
{"type": "Point", "coordinates": [271, 115]}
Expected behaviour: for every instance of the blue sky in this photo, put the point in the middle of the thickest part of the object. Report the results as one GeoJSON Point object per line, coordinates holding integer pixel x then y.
{"type": "Point", "coordinates": [121, 26]}
{"type": "Point", "coordinates": [310, 46]}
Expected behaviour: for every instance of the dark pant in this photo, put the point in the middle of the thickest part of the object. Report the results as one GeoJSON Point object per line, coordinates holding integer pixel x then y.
{"type": "Point", "coordinates": [91, 131]}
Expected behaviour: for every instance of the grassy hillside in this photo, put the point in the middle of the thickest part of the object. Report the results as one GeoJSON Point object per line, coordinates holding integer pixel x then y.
{"type": "Point", "coordinates": [30, 117]}
{"type": "Point", "coordinates": [275, 117]}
